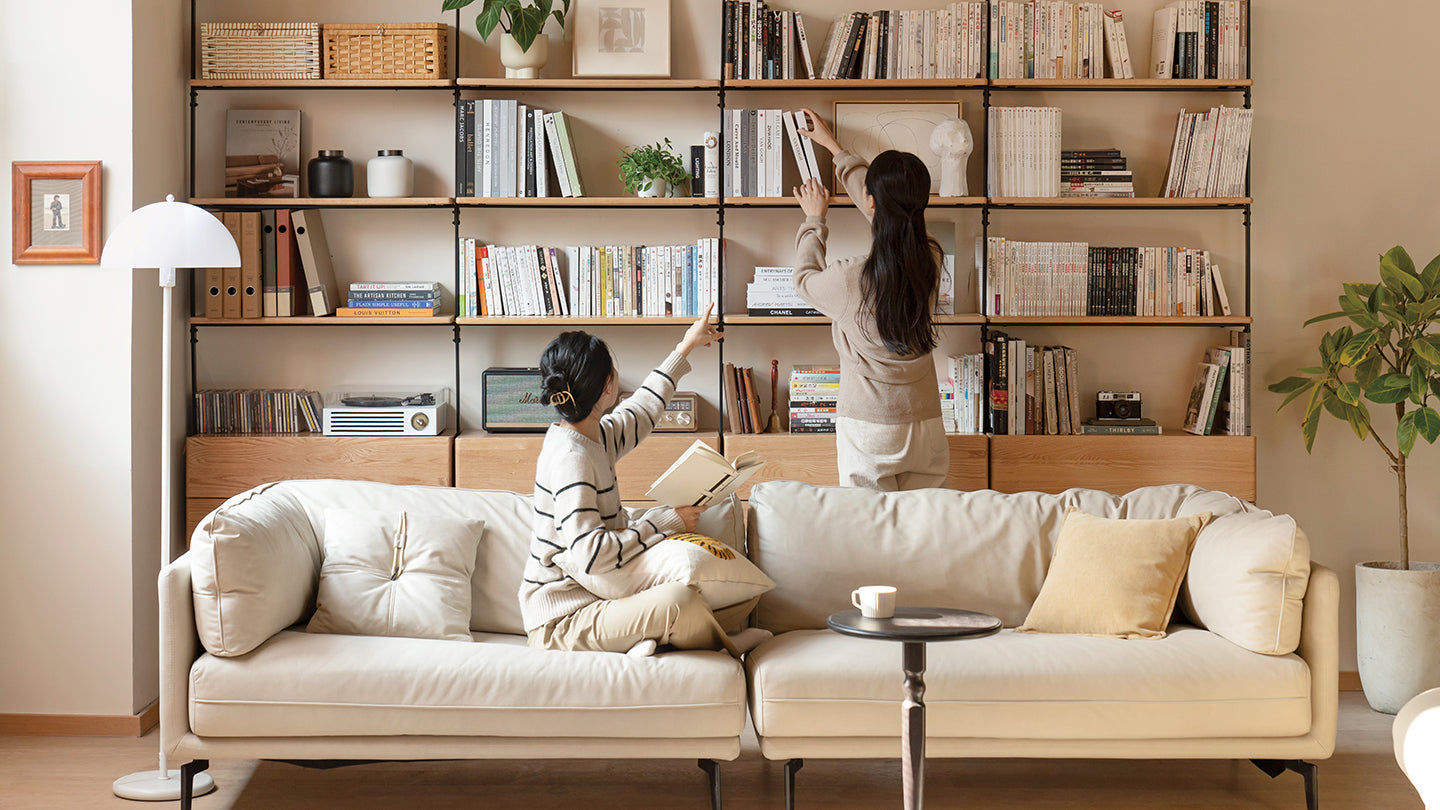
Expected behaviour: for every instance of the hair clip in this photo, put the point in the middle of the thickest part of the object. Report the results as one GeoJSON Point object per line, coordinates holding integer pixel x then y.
{"type": "Point", "coordinates": [562, 397]}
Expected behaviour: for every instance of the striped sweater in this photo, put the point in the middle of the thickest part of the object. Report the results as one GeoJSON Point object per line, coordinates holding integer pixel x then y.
{"type": "Point", "coordinates": [579, 524]}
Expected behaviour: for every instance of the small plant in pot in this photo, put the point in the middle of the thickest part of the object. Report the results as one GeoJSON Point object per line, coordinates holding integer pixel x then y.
{"type": "Point", "coordinates": [523, 50]}
{"type": "Point", "coordinates": [646, 171]}
{"type": "Point", "coordinates": [1388, 356]}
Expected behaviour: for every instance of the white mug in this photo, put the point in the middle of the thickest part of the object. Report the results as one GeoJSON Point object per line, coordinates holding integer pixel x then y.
{"type": "Point", "coordinates": [874, 601]}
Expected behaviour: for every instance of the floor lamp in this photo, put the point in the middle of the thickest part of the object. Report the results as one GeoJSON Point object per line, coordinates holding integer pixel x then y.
{"type": "Point", "coordinates": [167, 235]}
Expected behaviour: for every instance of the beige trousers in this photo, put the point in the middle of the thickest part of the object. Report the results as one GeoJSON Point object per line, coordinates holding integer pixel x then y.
{"type": "Point", "coordinates": [672, 613]}
{"type": "Point", "coordinates": [891, 458]}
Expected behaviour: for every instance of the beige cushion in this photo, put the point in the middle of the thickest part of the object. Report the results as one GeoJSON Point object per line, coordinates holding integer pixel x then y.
{"type": "Point", "coordinates": [396, 573]}
{"type": "Point", "coordinates": [1114, 578]}
{"type": "Point", "coordinates": [723, 576]}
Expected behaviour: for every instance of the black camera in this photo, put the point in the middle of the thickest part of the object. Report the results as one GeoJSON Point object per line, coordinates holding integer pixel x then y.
{"type": "Point", "coordinates": [1117, 405]}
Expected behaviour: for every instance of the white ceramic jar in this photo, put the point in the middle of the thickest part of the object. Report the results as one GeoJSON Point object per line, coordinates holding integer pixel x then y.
{"type": "Point", "coordinates": [389, 174]}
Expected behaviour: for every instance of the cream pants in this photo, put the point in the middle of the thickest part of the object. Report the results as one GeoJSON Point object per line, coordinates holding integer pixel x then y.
{"type": "Point", "coordinates": [671, 613]}
{"type": "Point", "coordinates": [891, 458]}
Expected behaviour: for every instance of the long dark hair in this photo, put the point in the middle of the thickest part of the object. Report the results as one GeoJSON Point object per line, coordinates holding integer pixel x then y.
{"type": "Point", "coordinates": [901, 274]}
{"type": "Point", "coordinates": [574, 369]}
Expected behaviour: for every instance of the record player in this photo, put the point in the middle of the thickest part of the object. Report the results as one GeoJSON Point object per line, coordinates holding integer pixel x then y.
{"type": "Point", "coordinates": [367, 412]}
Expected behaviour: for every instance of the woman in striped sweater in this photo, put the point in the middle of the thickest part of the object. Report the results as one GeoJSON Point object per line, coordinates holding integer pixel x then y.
{"type": "Point", "coordinates": [580, 526]}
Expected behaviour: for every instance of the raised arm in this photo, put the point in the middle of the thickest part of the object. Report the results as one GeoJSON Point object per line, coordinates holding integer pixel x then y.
{"type": "Point", "coordinates": [633, 419]}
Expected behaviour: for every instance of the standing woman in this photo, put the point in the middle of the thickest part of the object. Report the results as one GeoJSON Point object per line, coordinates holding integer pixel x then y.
{"type": "Point", "coordinates": [888, 432]}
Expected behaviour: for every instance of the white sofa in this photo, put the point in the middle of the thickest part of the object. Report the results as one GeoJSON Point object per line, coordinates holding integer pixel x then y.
{"type": "Point", "coordinates": [1193, 694]}
{"type": "Point", "coordinates": [241, 678]}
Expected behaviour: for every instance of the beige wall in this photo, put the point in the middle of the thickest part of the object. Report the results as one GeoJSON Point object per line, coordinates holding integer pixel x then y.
{"type": "Point", "coordinates": [1344, 167]}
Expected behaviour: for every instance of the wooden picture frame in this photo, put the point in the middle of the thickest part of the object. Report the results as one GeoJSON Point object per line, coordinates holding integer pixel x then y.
{"type": "Point", "coordinates": [867, 128]}
{"type": "Point", "coordinates": [46, 196]}
{"type": "Point", "coordinates": [622, 38]}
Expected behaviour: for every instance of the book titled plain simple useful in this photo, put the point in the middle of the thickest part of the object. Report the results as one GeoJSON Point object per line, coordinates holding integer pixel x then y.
{"type": "Point", "coordinates": [701, 476]}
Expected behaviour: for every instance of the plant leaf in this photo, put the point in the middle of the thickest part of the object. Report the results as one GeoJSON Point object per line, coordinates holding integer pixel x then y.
{"type": "Point", "coordinates": [1368, 370]}
{"type": "Point", "coordinates": [1356, 348]}
{"type": "Point", "coordinates": [1327, 316]}
{"type": "Point", "coordinates": [525, 26]}
{"type": "Point", "coordinates": [1397, 272]}
{"type": "Point", "coordinates": [1349, 393]}
{"type": "Point", "coordinates": [1405, 432]}
{"type": "Point", "coordinates": [1417, 383]}
{"type": "Point", "coordinates": [1430, 276]}
{"type": "Point", "coordinates": [1427, 423]}
{"type": "Point", "coordinates": [1428, 349]}
{"type": "Point", "coordinates": [1309, 427]}
{"type": "Point", "coordinates": [451, 5]}
{"type": "Point", "coordinates": [1388, 389]}
{"type": "Point", "coordinates": [489, 16]}
{"type": "Point", "coordinates": [1400, 259]}
{"type": "Point", "coordinates": [1289, 385]}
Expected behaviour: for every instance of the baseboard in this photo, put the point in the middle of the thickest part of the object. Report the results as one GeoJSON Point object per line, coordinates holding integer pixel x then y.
{"type": "Point", "coordinates": [1350, 682]}
{"type": "Point", "coordinates": [82, 725]}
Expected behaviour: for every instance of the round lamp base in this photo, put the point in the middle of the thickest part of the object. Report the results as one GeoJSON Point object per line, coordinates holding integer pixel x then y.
{"type": "Point", "coordinates": [153, 786]}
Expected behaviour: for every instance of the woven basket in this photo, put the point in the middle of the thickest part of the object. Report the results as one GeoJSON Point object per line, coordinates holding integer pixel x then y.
{"type": "Point", "coordinates": [386, 51]}
{"type": "Point", "coordinates": [259, 50]}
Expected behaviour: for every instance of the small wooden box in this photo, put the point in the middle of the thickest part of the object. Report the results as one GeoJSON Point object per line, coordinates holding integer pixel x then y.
{"type": "Point", "coordinates": [386, 51]}
{"type": "Point", "coordinates": [259, 50]}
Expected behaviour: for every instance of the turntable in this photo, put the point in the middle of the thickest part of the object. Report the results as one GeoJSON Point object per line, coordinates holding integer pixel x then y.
{"type": "Point", "coordinates": [385, 413]}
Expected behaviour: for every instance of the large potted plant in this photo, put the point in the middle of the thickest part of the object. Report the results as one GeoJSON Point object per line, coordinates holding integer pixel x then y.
{"type": "Point", "coordinates": [648, 171]}
{"type": "Point", "coordinates": [1386, 355]}
{"type": "Point", "coordinates": [523, 50]}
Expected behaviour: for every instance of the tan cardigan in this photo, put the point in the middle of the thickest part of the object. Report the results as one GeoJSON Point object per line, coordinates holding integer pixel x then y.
{"type": "Point", "coordinates": [876, 385]}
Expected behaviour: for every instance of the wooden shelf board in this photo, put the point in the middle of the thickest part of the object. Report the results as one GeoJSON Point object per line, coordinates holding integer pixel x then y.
{"type": "Point", "coordinates": [788, 320]}
{"type": "Point", "coordinates": [842, 202]}
{"type": "Point", "coordinates": [1120, 464]}
{"type": "Point", "coordinates": [588, 202]}
{"type": "Point", "coordinates": [635, 85]}
{"type": "Point", "coordinates": [222, 465]}
{"type": "Point", "coordinates": [1128, 320]}
{"type": "Point", "coordinates": [322, 84]}
{"type": "Point", "coordinates": [853, 84]}
{"type": "Point", "coordinates": [326, 320]}
{"type": "Point", "coordinates": [1120, 202]}
{"type": "Point", "coordinates": [556, 320]}
{"type": "Point", "coordinates": [1120, 84]}
{"type": "Point", "coordinates": [323, 202]}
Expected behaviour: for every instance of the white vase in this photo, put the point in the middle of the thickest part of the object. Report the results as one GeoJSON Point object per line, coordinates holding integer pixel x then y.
{"type": "Point", "coordinates": [389, 174]}
{"type": "Point", "coordinates": [658, 188]}
{"type": "Point", "coordinates": [1397, 625]}
{"type": "Point", "coordinates": [523, 64]}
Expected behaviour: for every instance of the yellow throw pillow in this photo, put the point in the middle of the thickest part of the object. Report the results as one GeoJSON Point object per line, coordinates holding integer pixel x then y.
{"type": "Point", "coordinates": [1114, 578]}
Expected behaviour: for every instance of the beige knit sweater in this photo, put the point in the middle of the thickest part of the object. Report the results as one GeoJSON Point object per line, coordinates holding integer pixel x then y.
{"type": "Point", "coordinates": [876, 385]}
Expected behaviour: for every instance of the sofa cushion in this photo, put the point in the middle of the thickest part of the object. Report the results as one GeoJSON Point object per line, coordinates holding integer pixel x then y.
{"type": "Point", "coordinates": [396, 573]}
{"type": "Point", "coordinates": [1192, 684]}
{"type": "Point", "coordinates": [723, 576]}
{"type": "Point", "coordinates": [1247, 576]}
{"type": "Point", "coordinates": [1116, 578]}
{"type": "Point", "coordinates": [300, 684]}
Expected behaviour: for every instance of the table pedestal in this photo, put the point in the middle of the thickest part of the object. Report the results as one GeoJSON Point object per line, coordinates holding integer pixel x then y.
{"type": "Point", "coordinates": [912, 726]}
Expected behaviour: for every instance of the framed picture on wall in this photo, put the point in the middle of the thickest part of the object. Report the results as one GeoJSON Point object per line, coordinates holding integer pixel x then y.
{"type": "Point", "coordinates": [868, 128]}
{"type": "Point", "coordinates": [55, 212]}
{"type": "Point", "coordinates": [622, 38]}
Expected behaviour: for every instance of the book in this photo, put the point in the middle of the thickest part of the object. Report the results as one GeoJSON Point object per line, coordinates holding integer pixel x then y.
{"type": "Point", "coordinates": [377, 312]}
{"type": "Point", "coordinates": [396, 286]}
{"type": "Point", "coordinates": [701, 476]}
{"type": "Point", "coordinates": [315, 260]}
{"type": "Point", "coordinates": [1207, 377]}
{"type": "Point", "coordinates": [1090, 428]}
{"type": "Point", "coordinates": [752, 401]}
{"type": "Point", "coordinates": [732, 398]}
{"type": "Point", "coordinates": [262, 153]}
{"type": "Point", "coordinates": [567, 151]}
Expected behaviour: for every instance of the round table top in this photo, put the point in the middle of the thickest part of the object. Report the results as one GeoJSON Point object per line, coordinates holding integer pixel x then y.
{"type": "Point", "coordinates": [916, 624]}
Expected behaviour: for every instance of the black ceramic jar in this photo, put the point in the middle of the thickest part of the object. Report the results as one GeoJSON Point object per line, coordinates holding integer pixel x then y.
{"type": "Point", "coordinates": [331, 174]}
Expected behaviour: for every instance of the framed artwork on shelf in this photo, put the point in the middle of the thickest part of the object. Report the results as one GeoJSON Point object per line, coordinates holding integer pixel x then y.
{"type": "Point", "coordinates": [622, 38]}
{"type": "Point", "coordinates": [868, 128]}
{"type": "Point", "coordinates": [55, 212]}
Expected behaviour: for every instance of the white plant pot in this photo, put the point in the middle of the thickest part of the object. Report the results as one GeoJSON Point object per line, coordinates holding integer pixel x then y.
{"type": "Point", "coordinates": [658, 188]}
{"type": "Point", "coordinates": [1397, 625]}
{"type": "Point", "coordinates": [523, 64]}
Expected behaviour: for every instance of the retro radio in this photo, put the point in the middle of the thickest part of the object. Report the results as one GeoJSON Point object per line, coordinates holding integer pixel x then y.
{"type": "Point", "coordinates": [512, 402]}
{"type": "Point", "coordinates": [682, 414]}
{"type": "Point", "coordinates": [385, 413]}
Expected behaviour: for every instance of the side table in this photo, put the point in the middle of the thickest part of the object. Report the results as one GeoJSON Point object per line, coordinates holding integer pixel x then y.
{"type": "Point", "coordinates": [915, 626]}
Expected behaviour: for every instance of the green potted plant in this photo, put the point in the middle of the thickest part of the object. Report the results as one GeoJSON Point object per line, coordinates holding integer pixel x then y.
{"type": "Point", "coordinates": [1386, 355]}
{"type": "Point", "coordinates": [647, 170]}
{"type": "Point", "coordinates": [523, 50]}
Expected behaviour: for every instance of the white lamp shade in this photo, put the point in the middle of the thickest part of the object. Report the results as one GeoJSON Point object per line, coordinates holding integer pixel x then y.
{"type": "Point", "coordinates": [169, 235]}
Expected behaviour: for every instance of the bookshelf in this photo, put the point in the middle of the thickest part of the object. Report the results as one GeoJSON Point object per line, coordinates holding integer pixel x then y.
{"type": "Point", "coordinates": [372, 238]}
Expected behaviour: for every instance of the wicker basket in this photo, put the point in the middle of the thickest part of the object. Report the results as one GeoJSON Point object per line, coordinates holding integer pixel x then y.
{"type": "Point", "coordinates": [386, 51]}
{"type": "Point", "coordinates": [259, 50]}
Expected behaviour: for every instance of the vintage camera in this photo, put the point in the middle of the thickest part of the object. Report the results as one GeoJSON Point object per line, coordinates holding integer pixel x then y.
{"type": "Point", "coordinates": [1117, 405]}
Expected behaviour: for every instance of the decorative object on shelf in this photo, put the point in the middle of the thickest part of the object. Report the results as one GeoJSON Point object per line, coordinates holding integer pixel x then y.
{"type": "Point", "coordinates": [952, 142]}
{"type": "Point", "coordinates": [774, 425]}
{"type": "Point", "coordinates": [389, 174]}
{"type": "Point", "coordinates": [55, 212]}
{"type": "Point", "coordinates": [167, 235]}
{"type": "Point", "coordinates": [259, 50]}
{"type": "Point", "coordinates": [416, 51]}
{"type": "Point", "coordinates": [1390, 359]}
{"type": "Point", "coordinates": [524, 48]}
{"type": "Point", "coordinates": [330, 174]}
{"type": "Point", "coordinates": [868, 128]}
{"type": "Point", "coordinates": [622, 38]}
{"type": "Point", "coordinates": [262, 153]}
{"type": "Point", "coordinates": [647, 170]}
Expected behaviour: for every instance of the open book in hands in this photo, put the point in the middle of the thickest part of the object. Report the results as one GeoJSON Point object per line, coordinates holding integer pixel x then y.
{"type": "Point", "coordinates": [701, 477]}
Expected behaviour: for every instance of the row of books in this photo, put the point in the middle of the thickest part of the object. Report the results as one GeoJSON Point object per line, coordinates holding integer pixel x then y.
{"type": "Point", "coordinates": [814, 397]}
{"type": "Point", "coordinates": [1210, 153]}
{"type": "Point", "coordinates": [1201, 39]}
{"type": "Point", "coordinates": [742, 400]}
{"type": "Point", "coordinates": [392, 299]}
{"type": "Point", "coordinates": [764, 44]}
{"type": "Point", "coordinates": [284, 270]}
{"type": "Point", "coordinates": [1024, 151]}
{"type": "Point", "coordinates": [508, 149]}
{"type": "Point", "coordinates": [1095, 173]}
{"type": "Point", "coordinates": [588, 281]}
{"type": "Point", "coordinates": [755, 151]}
{"type": "Point", "coordinates": [962, 394]}
{"type": "Point", "coordinates": [1056, 39]}
{"type": "Point", "coordinates": [256, 411]}
{"type": "Point", "coordinates": [1072, 279]}
{"type": "Point", "coordinates": [772, 293]}
{"type": "Point", "coordinates": [940, 43]}
{"type": "Point", "coordinates": [1220, 396]}
{"type": "Point", "coordinates": [1033, 390]}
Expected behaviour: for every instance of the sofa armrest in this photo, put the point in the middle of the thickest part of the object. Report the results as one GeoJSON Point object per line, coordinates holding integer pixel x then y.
{"type": "Point", "coordinates": [179, 647]}
{"type": "Point", "coordinates": [1320, 647]}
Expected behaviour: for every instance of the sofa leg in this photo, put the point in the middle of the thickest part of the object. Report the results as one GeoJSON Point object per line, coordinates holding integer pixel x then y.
{"type": "Point", "coordinates": [187, 780]}
{"type": "Point", "coordinates": [1275, 767]}
{"type": "Point", "coordinates": [712, 770]}
{"type": "Point", "coordinates": [792, 767]}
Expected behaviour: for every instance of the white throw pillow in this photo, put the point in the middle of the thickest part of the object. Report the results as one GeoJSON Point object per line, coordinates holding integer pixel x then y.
{"type": "Point", "coordinates": [396, 573]}
{"type": "Point", "coordinates": [723, 575]}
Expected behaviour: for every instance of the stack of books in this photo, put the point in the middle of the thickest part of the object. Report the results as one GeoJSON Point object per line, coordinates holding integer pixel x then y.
{"type": "Point", "coordinates": [742, 400]}
{"type": "Point", "coordinates": [256, 411]}
{"type": "Point", "coordinates": [1054, 39]}
{"type": "Point", "coordinates": [1220, 396]}
{"type": "Point", "coordinates": [1201, 39]}
{"type": "Point", "coordinates": [508, 149]}
{"type": "Point", "coordinates": [754, 152]}
{"type": "Point", "coordinates": [772, 293]}
{"type": "Point", "coordinates": [392, 299]}
{"type": "Point", "coordinates": [1024, 151]}
{"type": "Point", "coordinates": [814, 396]}
{"type": "Point", "coordinates": [1095, 173]}
{"type": "Point", "coordinates": [963, 410]}
{"type": "Point", "coordinates": [1034, 390]}
{"type": "Point", "coordinates": [1210, 154]}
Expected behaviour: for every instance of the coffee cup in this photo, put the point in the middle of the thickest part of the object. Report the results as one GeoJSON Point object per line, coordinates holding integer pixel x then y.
{"type": "Point", "coordinates": [874, 601]}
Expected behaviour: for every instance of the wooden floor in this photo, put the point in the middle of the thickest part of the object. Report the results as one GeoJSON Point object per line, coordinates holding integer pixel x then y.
{"type": "Point", "coordinates": [75, 772]}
